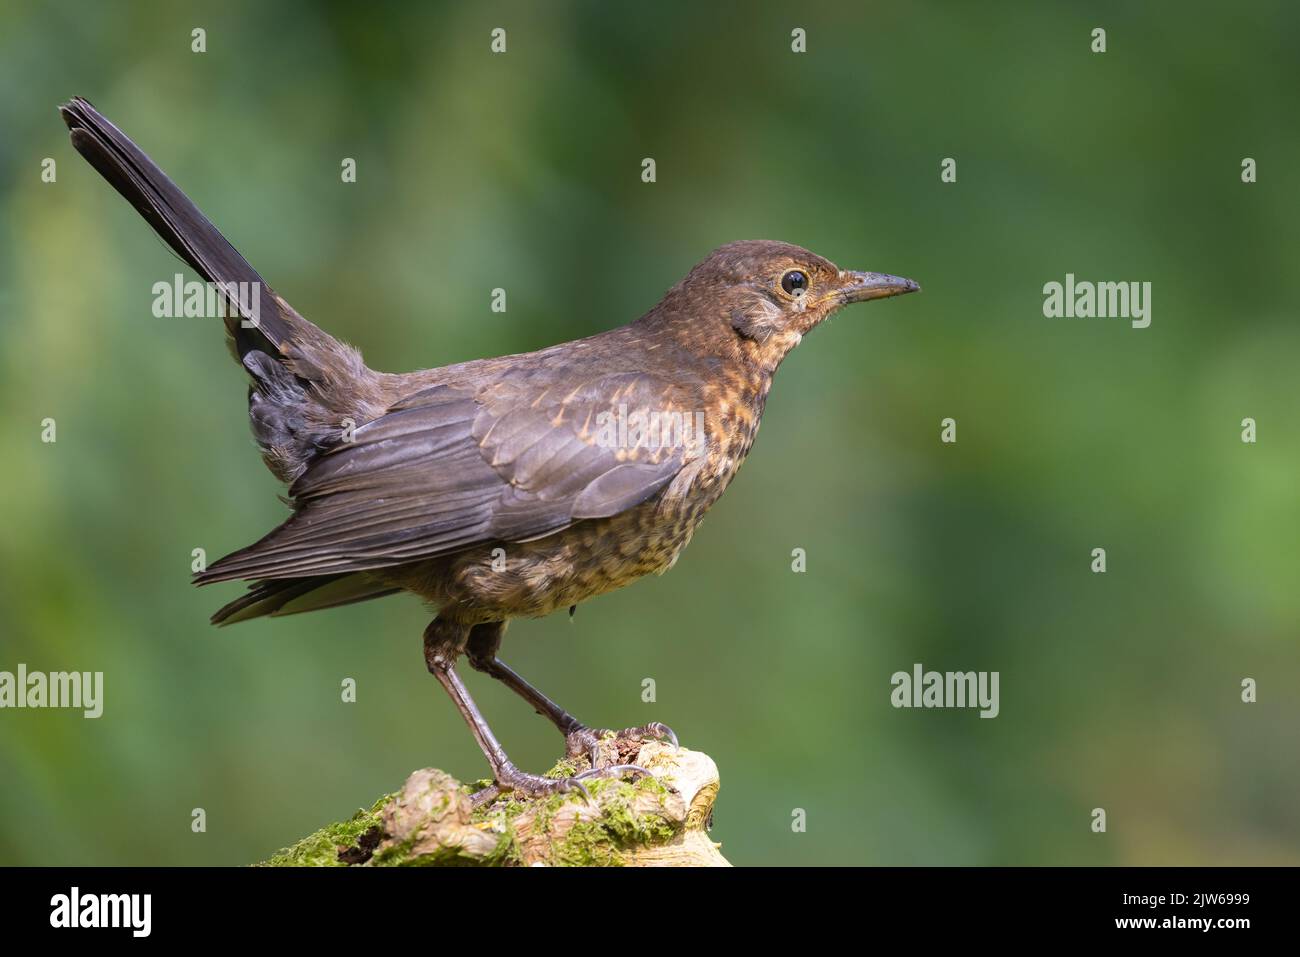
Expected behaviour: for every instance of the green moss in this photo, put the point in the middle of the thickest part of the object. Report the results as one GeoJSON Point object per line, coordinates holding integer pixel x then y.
{"type": "Point", "coordinates": [566, 768]}
{"type": "Point", "coordinates": [399, 855]}
{"type": "Point", "coordinates": [322, 848]}
{"type": "Point", "coordinates": [601, 842]}
{"type": "Point", "coordinates": [506, 853]}
{"type": "Point", "coordinates": [586, 845]}
{"type": "Point", "coordinates": [624, 826]}
{"type": "Point", "coordinates": [395, 856]}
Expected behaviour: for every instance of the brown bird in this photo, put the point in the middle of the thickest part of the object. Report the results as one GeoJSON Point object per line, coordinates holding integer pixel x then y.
{"type": "Point", "coordinates": [498, 488]}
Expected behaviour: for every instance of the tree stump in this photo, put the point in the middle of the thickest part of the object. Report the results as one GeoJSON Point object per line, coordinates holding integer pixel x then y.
{"type": "Point", "coordinates": [657, 821]}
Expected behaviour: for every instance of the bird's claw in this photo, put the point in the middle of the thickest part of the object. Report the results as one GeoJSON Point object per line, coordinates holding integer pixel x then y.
{"type": "Point", "coordinates": [534, 785]}
{"type": "Point", "coordinates": [527, 785]}
{"type": "Point", "coordinates": [587, 741]}
{"type": "Point", "coordinates": [655, 729]}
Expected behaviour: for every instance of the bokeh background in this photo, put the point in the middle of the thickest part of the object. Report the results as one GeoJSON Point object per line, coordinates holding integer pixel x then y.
{"type": "Point", "coordinates": [522, 170]}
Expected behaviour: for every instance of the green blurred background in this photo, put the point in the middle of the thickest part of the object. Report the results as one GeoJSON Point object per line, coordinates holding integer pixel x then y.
{"type": "Point", "coordinates": [522, 171]}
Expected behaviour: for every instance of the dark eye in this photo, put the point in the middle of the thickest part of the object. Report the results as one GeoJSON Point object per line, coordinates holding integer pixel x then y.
{"type": "Point", "coordinates": [794, 282]}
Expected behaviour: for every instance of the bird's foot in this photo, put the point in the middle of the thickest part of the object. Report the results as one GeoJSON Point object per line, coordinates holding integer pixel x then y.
{"type": "Point", "coordinates": [588, 742]}
{"type": "Point", "coordinates": [534, 785]}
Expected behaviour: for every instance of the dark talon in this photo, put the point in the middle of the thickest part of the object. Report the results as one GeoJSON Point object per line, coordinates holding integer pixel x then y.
{"type": "Point", "coordinates": [570, 784]}
{"type": "Point", "coordinates": [529, 786]}
{"type": "Point", "coordinates": [655, 729]}
{"type": "Point", "coordinates": [664, 731]}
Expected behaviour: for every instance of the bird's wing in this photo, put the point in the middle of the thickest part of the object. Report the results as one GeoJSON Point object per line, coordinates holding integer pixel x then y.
{"type": "Point", "coordinates": [453, 467]}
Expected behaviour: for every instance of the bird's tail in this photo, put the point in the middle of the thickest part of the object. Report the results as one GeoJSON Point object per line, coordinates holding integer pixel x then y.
{"type": "Point", "coordinates": [304, 380]}
{"type": "Point", "coordinates": [255, 321]}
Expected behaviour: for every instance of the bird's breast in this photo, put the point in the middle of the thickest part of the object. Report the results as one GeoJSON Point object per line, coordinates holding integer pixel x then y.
{"type": "Point", "coordinates": [732, 414]}
{"type": "Point", "coordinates": [595, 556]}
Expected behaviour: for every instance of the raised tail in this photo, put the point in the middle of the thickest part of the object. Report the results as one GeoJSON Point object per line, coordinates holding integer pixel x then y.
{"type": "Point", "coordinates": [254, 321]}
{"type": "Point", "coordinates": [306, 384]}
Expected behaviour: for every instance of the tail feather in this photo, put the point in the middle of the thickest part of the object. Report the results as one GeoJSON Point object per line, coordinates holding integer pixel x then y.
{"type": "Point", "coordinates": [295, 595]}
{"type": "Point", "coordinates": [182, 225]}
{"type": "Point", "coordinates": [306, 384]}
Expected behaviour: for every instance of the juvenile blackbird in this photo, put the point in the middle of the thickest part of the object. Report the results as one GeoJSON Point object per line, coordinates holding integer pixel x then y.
{"type": "Point", "coordinates": [498, 488]}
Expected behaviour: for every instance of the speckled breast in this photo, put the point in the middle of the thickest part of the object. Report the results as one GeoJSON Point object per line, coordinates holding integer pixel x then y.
{"type": "Point", "coordinates": [530, 579]}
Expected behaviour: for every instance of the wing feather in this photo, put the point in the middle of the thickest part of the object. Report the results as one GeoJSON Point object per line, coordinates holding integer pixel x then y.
{"type": "Point", "coordinates": [449, 468]}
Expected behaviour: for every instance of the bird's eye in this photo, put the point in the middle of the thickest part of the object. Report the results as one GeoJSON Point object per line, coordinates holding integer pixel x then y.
{"type": "Point", "coordinates": [794, 282]}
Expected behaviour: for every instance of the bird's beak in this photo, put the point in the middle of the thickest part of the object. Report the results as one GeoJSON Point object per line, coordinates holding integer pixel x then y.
{"type": "Point", "coordinates": [861, 286]}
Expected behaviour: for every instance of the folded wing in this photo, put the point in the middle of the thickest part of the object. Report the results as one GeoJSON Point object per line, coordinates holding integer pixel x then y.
{"type": "Point", "coordinates": [452, 467]}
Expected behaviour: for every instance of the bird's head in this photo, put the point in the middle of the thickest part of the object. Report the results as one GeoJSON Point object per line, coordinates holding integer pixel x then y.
{"type": "Point", "coordinates": [763, 297]}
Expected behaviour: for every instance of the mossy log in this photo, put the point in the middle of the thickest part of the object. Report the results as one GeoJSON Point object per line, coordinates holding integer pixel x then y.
{"type": "Point", "coordinates": [656, 821]}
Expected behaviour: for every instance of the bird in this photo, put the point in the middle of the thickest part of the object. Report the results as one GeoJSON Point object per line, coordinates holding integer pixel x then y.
{"type": "Point", "coordinates": [497, 488]}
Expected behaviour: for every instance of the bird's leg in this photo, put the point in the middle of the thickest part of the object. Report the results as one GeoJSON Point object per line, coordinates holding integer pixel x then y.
{"type": "Point", "coordinates": [444, 642]}
{"type": "Point", "coordinates": [485, 640]}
